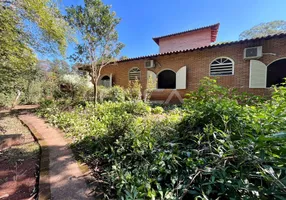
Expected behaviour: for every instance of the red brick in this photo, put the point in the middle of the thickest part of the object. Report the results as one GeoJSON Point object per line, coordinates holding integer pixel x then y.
{"type": "Point", "coordinates": [198, 62]}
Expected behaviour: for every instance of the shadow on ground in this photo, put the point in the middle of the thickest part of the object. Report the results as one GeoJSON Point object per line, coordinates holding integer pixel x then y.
{"type": "Point", "coordinates": [18, 171]}
{"type": "Point", "coordinates": [19, 157]}
{"type": "Point", "coordinates": [21, 109]}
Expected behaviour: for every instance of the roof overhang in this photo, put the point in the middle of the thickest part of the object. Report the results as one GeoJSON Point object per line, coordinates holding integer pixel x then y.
{"type": "Point", "coordinates": [281, 35]}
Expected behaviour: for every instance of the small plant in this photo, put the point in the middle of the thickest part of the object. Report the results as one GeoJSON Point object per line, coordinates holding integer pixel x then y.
{"type": "Point", "coordinates": [150, 87]}
{"type": "Point", "coordinates": [6, 100]}
{"type": "Point", "coordinates": [158, 110]}
{"type": "Point", "coordinates": [117, 94]}
{"type": "Point", "coordinates": [133, 92]}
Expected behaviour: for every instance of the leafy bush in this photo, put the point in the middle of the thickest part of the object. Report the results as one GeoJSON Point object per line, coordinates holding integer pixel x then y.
{"type": "Point", "coordinates": [46, 103]}
{"type": "Point", "coordinates": [30, 95]}
{"type": "Point", "coordinates": [158, 110]}
{"type": "Point", "coordinates": [103, 93]}
{"type": "Point", "coordinates": [76, 86]}
{"type": "Point", "coordinates": [33, 93]}
{"type": "Point", "coordinates": [115, 94]}
{"type": "Point", "coordinates": [6, 100]}
{"type": "Point", "coordinates": [119, 94]}
{"type": "Point", "coordinates": [220, 145]}
{"type": "Point", "coordinates": [133, 91]}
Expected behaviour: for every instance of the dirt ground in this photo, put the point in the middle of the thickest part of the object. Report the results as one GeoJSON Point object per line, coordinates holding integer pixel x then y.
{"type": "Point", "coordinates": [19, 160]}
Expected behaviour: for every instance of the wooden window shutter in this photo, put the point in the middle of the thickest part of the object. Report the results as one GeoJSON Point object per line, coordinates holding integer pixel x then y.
{"type": "Point", "coordinates": [110, 80]}
{"type": "Point", "coordinates": [151, 75]}
{"type": "Point", "coordinates": [257, 74]}
{"type": "Point", "coordinates": [181, 78]}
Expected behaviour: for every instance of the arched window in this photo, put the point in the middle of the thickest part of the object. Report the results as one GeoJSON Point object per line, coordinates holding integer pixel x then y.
{"type": "Point", "coordinates": [167, 80]}
{"type": "Point", "coordinates": [134, 74]}
{"type": "Point", "coordinates": [105, 81]}
{"type": "Point", "coordinates": [276, 72]}
{"type": "Point", "coordinates": [221, 67]}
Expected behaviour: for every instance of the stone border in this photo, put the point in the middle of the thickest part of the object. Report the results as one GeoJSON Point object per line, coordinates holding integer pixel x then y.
{"type": "Point", "coordinates": [44, 192]}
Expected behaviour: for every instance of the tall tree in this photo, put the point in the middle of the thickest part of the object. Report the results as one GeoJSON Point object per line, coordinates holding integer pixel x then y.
{"type": "Point", "coordinates": [15, 55]}
{"type": "Point", "coordinates": [26, 27]}
{"type": "Point", "coordinates": [96, 25]}
{"type": "Point", "coordinates": [42, 24]}
{"type": "Point", "coordinates": [264, 29]}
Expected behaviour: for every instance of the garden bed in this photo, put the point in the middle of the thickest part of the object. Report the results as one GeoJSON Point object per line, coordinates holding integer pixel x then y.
{"type": "Point", "coordinates": [219, 145]}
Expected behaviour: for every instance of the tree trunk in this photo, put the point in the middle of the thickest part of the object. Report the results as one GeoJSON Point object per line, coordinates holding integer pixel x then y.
{"type": "Point", "coordinates": [94, 80]}
{"type": "Point", "coordinates": [94, 92]}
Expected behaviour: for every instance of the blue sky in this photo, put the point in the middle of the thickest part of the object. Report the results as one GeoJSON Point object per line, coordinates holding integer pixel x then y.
{"type": "Point", "coordinates": [143, 19]}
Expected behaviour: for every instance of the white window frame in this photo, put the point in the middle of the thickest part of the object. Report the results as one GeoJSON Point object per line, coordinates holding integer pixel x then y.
{"type": "Point", "coordinates": [223, 74]}
{"type": "Point", "coordinates": [139, 78]}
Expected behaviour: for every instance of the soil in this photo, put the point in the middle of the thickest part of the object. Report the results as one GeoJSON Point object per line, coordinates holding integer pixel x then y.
{"type": "Point", "coordinates": [19, 160]}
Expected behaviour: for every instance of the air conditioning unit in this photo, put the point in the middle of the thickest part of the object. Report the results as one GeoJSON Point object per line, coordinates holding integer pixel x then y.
{"type": "Point", "coordinates": [149, 64]}
{"type": "Point", "coordinates": [252, 52]}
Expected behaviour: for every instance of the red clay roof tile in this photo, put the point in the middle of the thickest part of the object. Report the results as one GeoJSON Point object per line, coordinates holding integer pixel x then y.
{"type": "Point", "coordinates": [205, 47]}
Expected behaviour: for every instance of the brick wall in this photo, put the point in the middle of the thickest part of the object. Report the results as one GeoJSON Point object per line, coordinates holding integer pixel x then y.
{"type": "Point", "coordinates": [198, 62]}
{"type": "Point", "coordinates": [190, 40]}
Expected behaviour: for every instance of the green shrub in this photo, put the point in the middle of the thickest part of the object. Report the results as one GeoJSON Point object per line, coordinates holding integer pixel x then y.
{"type": "Point", "coordinates": [117, 94]}
{"type": "Point", "coordinates": [133, 91]}
{"type": "Point", "coordinates": [33, 93]}
{"type": "Point", "coordinates": [158, 110]}
{"type": "Point", "coordinates": [45, 103]}
{"type": "Point", "coordinates": [103, 93]}
{"type": "Point", "coordinates": [220, 145]}
{"type": "Point", "coordinates": [137, 108]}
{"type": "Point", "coordinates": [6, 100]}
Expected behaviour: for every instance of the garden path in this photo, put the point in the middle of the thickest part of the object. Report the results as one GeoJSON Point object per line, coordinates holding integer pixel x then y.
{"type": "Point", "coordinates": [60, 176]}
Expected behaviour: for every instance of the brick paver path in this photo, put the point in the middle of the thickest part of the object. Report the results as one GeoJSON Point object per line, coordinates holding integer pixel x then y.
{"type": "Point", "coordinates": [64, 177]}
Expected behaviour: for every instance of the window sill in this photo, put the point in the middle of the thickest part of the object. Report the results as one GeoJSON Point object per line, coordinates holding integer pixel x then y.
{"type": "Point", "coordinates": [161, 89]}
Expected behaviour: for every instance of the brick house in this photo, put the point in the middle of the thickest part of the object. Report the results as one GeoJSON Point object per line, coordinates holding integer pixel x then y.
{"type": "Point", "coordinates": [251, 65]}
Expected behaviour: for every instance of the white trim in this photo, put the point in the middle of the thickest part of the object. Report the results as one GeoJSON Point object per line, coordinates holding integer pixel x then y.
{"type": "Point", "coordinates": [165, 70]}
{"type": "Point", "coordinates": [133, 69]}
{"type": "Point", "coordinates": [233, 64]}
{"type": "Point", "coordinates": [162, 89]}
{"type": "Point", "coordinates": [276, 60]}
{"type": "Point", "coordinates": [104, 76]}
